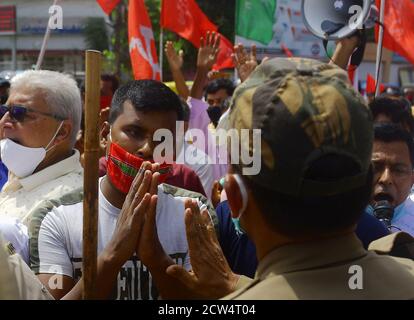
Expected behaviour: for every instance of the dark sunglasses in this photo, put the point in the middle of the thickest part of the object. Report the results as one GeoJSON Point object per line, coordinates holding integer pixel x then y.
{"type": "Point", "coordinates": [19, 113]}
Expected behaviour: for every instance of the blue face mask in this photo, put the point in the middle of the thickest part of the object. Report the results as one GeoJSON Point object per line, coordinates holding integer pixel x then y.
{"type": "Point", "coordinates": [239, 230]}
{"type": "Point", "coordinates": [243, 191]}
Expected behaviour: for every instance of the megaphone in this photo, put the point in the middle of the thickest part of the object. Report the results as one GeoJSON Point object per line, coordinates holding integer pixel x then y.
{"type": "Point", "coordinates": [338, 19]}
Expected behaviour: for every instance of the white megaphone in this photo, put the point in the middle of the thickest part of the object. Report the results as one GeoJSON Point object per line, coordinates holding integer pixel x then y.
{"type": "Point", "coordinates": [338, 19]}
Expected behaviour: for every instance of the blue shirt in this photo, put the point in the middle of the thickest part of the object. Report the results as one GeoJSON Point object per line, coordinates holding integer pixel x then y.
{"type": "Point", "coordinates": [240, 251]}
{"type": "Point", "coordinates": [403, 219]}
{"type": "Point", "coordinates": [370, 229]}
{"type": "Point", "coordinates": [3, 174]}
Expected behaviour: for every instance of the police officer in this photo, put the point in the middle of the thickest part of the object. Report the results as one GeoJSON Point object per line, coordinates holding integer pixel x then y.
{"type": "Point", "coordinates": [302, 208]}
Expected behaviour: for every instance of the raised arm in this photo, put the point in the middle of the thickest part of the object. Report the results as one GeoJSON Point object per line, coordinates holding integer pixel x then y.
{"type": "Point", "coordinates": [176, 63]}
{"type": "Point", "coordinates": [344, 50]}
{"type": "Point", "coordinates": [245, 62]}
{"type": "Point", "coordinates": [207, 57]}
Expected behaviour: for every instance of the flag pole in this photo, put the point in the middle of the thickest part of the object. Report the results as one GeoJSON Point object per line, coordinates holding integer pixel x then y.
{"type": "Point", "coordinates": [45, 40]}
{"type": "Point", "coordinates": [236, 73]}
{"type": "Point", "coordinates": [161, 51]}
{"type": "Point", "coordinates": [379, 49]}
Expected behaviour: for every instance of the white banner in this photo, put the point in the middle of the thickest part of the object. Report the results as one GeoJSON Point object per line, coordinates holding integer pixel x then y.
{"type": "Point", "coordinates": [290, 30]}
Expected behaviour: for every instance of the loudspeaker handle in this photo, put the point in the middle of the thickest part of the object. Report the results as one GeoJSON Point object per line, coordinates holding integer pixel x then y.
{"type": "Point", "coordinates": [358, 55]}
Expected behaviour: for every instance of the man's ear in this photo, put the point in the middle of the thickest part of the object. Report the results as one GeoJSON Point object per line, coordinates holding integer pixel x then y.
{"type": "Point", "coordinates": [233, 195]}
{"type": "Point", "coordinates": [64, 132]}
{"type": "Point", "coordinates": [105, 127]}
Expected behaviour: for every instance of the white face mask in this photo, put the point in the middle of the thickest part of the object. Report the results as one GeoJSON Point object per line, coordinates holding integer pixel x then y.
{"type": "Point", "coordinates": [20, 160]}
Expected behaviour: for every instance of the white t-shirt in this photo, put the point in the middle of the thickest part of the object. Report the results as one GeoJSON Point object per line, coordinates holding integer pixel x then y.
{"type": "Point", "coordinates": [56, 247]}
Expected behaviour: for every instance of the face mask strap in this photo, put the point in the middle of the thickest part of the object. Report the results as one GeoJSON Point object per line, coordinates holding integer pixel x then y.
{"type": "Point", "coordinates": [110, 133]}
{"type": "Point", "coordinates": [110, 138]}
{"type": "Point", "coordinates": [53, 138]}
{"type": "Point", "coordinates": [243, 192]}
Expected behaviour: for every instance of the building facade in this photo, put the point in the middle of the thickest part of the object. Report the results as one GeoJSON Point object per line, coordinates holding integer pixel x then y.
{"type": "Point", "coordinates": [65, 48]}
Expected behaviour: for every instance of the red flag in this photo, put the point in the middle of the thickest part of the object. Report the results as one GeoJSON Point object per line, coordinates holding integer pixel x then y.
{"type": "Point", "coordinates": [224, 60]}
{"type": "Point", "coordinates": [185, 18]}
{"type": "Point", "coordinates": [142, 49]}
{"type": "Point", "coordinates": [108, 5]}
{"type": "Point", "coordinates": [399, 27]}
{"type": "Point", "coordinates": [351, 73]}
{"type": "Point", "coordinates": [371, 85]}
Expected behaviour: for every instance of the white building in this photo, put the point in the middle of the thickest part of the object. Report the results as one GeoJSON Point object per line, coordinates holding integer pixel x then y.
{"type": "Point", "coordinates": [65, 48]}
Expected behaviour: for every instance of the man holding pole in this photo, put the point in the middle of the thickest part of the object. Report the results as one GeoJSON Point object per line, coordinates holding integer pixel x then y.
{"type": "Point", "coordinates": [138, 110]}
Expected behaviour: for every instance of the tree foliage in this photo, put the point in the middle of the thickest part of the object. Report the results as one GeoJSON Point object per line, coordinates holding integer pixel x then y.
{"type": "Point", "coordinates": [222, 13]}
{"type": "Point", "coordinates": [96, 36]}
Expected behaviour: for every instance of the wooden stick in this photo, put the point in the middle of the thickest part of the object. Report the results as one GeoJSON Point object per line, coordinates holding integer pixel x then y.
{"type": "Point", "coordinates": [91, 172]}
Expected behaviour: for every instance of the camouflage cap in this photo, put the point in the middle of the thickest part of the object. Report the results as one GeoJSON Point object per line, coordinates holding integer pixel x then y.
{"type": "Point", "coordinates": [305, 109]}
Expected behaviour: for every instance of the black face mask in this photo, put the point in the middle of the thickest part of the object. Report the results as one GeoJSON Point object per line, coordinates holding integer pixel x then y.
{"type": "Point", "coordinates": [214, 113]}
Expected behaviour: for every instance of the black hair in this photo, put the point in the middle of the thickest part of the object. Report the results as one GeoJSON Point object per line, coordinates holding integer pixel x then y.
{"type": "Point", "coordinates": [397, 109]}
{"type": "Point", "coordinates": [220, 84]}
{"type": "Point", "coordinates": [111, 78]}
{"type": "Point", "coordinates": [388, 132]}
{"type": "Point", "coordinates": [145, 96]}
{"type": "Point", "coordinates": [82, 87]}
{"type": "Point", "coordinates": [311, 216]}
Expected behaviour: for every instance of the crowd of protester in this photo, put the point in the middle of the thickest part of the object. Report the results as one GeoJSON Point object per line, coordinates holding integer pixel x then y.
{"type": "Point", "coordinates": [334, 190]}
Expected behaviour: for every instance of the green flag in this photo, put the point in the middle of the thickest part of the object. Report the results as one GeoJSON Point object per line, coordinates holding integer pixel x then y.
{"type": "Point", "coordinates": [255, 19]}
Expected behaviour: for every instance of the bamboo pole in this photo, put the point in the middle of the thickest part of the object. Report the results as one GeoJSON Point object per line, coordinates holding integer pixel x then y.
{"type": "Point", "coordinates": [91, 173]}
